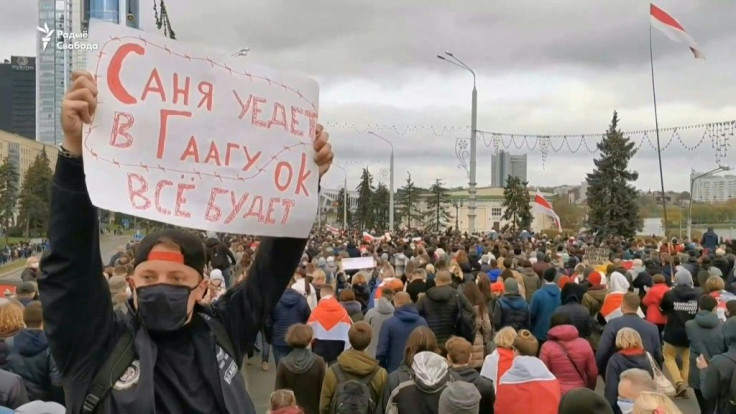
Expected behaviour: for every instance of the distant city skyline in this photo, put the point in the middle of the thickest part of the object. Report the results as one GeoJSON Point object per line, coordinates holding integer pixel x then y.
{"type": "Point", "coordinates": [504, 164]}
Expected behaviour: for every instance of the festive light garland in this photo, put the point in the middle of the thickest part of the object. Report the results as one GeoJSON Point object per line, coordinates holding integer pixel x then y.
{"type": "Point", "coordinates": [718, 134]}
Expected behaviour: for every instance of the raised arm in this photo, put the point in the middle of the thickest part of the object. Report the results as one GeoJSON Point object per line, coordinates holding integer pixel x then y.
{"type": "Point", "coordinates": [78, 315]}
{"type": "Point", "coordinates": [244, 309]}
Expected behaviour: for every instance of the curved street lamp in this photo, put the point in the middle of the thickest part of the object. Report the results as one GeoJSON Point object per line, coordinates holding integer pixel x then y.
{"type": "Point", "coordinates": [451, 58]}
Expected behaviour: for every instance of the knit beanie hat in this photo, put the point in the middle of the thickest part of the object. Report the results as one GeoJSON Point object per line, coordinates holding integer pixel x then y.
{"type": "Point", "coordinates": [595, 278]}
{"type": "Point", "coordinates": [584, 400]}
{"type": "Point", "coordinates": [683, 277]}
{"type": "Point", "coordinates": [510, 285]}
{"type": "Point", "coordinates": [191, 246]}
{"type": "Point", "coordinates": [526, 343]}
{"type": "Point", "coordinates": [459, 398]}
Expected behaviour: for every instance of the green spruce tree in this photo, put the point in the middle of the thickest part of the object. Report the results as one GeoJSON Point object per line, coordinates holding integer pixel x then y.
{"type": "Point", "coordinates": [438, 207]}
{"type": "Point", "coordinates": [8, 194]}
{"type": "Point", "coordinates": [364, 211]}
{"type": "Point", "coordinates": [380, 202]}
{"type": "Point", "coordinates": [35, 197]}
{"type": "Point", "coordinates": [612, 200]}
{"type": "Point", "coordinates": [517, 204]}
{"type": "Point", "coordinates": [408, 203]}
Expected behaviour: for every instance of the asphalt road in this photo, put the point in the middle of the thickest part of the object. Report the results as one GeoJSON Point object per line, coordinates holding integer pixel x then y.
{"type": "Point", "coordinates": [260, 386]}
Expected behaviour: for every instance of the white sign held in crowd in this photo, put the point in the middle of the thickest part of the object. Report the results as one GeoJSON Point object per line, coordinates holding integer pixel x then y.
{"type": "Point", "coordinates": [357, 263]}
{"type": "Point", "coordinates": [182, 137]}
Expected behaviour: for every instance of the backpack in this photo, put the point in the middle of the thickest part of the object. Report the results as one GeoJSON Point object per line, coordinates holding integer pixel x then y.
{"type": "Point", "coordinates": [218, 259]}
{"type": "Point", "coordinates": [730, 405]}
{"type": "Point", "coordinates": [352, 395]}
{"type": "Point", "coordinates": [124, 354]}
{"type": "Point", "coordinates": [464, 321]}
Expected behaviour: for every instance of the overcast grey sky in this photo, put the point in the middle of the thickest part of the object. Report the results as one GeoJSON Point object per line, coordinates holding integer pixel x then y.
{"type": "Point", "coordinates": [552, 67]}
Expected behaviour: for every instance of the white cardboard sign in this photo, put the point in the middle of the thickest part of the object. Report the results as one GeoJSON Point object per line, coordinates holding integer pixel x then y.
{"type": "Point", "coordinates": [182, 137]}
{"type": "Point", "coordinates": [356, 263]}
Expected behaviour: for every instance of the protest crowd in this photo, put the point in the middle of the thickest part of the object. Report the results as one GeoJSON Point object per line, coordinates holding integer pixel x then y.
{"type": "Point", "coordinates": [357, 322]}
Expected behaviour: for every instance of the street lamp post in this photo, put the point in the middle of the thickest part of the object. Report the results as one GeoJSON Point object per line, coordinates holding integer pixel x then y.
{"type": "Point", "coordinates": [344, 197]}
{"type": "Point", "coordinates": [391, 183]}
{"type": "Point", "coordinates": [690, 202]}
{"type": "Point", "coordinates": [457, 204]}
{"type": "Point", "coordinates": [473, 135]}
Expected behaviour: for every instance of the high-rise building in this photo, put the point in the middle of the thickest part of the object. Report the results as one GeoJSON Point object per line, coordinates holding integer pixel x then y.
{"type": "Point", "coordinates": [53, 67]}
{"type": "Point", "coordinates": [55, 60]}
{"type": "Point", "coordinates": [504, 164]}
{"type": "Point", "coordinates": [713, 188]}
{"type": "Point", "coordinates": [18, 96]}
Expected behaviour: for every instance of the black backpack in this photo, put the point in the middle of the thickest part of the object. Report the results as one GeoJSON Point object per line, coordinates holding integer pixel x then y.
{"type": "Point", "coordinates": [465, 321]}
{"type": "Point", "coordinates": [352, 395]}
{"type": "Point", "coordinates": [124, 354]}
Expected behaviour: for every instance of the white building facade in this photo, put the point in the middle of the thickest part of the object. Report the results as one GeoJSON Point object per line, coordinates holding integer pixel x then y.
{"type": "Point", "coordinates": [714, 188]}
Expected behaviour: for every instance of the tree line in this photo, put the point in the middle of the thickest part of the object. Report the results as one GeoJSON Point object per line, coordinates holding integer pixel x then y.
{"type": "Point", "coordinates": [24, 209]}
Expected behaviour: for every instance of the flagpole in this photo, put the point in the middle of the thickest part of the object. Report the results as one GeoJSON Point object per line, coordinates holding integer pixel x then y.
{"type": "Point", "coordinates": [656, 126]}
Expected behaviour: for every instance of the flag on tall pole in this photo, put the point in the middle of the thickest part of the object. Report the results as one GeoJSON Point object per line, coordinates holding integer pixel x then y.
{"type": "Point", "coordinates": [665, 23]}
{"type": "Point", "coordinates": [543, 206]}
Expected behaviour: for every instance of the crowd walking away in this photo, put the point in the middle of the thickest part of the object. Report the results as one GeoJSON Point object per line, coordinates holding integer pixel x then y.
{"type": "Point", "coordinates": [408, 322]}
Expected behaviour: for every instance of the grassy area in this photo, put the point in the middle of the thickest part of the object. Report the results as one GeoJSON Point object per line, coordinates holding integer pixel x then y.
{"type": "Point", "coordinates": [12, 266]}
{"type": "Point", "coordinates": [11, 240]}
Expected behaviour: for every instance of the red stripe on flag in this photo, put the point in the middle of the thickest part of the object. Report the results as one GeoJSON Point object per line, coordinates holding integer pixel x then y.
{"type": "Point", "coordinates": [539, 199]}
{"type": "Point", "coordinates": [664, 17]}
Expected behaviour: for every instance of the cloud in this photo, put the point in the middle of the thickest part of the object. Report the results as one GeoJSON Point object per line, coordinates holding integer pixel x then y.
{"type": "Point", "coordinates": [553, 67]}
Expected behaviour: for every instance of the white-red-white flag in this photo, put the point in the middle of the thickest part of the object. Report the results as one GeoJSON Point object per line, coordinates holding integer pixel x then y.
{"type": "Point", "coordinates": [671, 28]}
{"type": "Point", "coordinates": [332, 229]}
{"type": "Point", "coordinates": [543, 206]}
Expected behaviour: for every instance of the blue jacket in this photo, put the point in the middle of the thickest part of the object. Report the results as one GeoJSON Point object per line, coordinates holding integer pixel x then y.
{"type": "Point", "coordinates": [394, 333]}
{"type": "Point", "coordinates": [543, 305]}
{"type": "Point", "coordinates": [607, 345]}
{"type": "Point", "coordinates": [291, 309]}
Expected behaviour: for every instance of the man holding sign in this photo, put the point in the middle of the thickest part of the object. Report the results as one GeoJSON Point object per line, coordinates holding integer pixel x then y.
{"type": "Point", "coordinates": [168, 354]}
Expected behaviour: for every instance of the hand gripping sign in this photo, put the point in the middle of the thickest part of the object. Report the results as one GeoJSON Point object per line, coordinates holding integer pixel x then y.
{"type": "Point", "coordinates": [183, 138]}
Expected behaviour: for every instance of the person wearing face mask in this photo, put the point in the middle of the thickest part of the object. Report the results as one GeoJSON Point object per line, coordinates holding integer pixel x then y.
{"type": "Point", "coordinates": [633, 382]}
{"type": "Point", "coordinates": [184, 357]}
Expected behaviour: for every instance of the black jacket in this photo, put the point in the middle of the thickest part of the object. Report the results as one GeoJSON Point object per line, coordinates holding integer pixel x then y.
{"type": "Point", "coordinates": [82, 328]}
{"type": "Point", "coordinates": [439, 307]}
{"type": "Point", "coordinates": [511, 310]}
{"type": "Point", "coordinates": [620, 362]}
{"type": "Point", "coordinates": [30, 358]}
{"type": "Point", "coordinates": [679, 305]}
{"type": "Point", "coordinates": [716, 380]}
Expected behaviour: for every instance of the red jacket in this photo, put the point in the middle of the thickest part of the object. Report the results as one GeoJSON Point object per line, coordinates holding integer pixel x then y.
{"type": "Point", "coordinates": [565, 338]}
{"type": "Point", "coordinates": [652, 300]}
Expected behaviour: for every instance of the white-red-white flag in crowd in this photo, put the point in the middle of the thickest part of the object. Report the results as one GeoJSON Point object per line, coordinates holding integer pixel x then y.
{"type": "Point", "coordinates": [671, 28]}
{"type": "Point", "coordinates": [332, 229]}
{"type": "Point", "coordinates": [543, 206]}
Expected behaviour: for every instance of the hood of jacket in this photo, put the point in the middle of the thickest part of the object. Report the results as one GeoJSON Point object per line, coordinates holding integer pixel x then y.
{"type": "Point", "coordinates": [514, 301]}
{"type": "Point", "coordinates": [441, 293]}
{"type": "Point", "coordinates": [352, 307]}
{"type": "Point", "coordinates": [299, 360]}
{"type": "Point", "coordinates": [290, 298]}
{"type": "Point", "coordinates": [431, 371]}
{"type": "Point", "coordinates": [356, 362]}
{"type": "Point", "coordinates": [572, 293]}
{"type": "Point", "coordinates": [30, 342]}
{"type": "Point", "coordinates": [467, 374]}
{"type": "Point", "coordinates": [407, 313]}
{"type": "Point", "coordinates": [707, 320]}
{"type": "Point", "coordinates": [598, 294]}
{"type": "Point", "coordinates": [384, 306]}
{"type": "Point", "coordinates": [551, 290]}
{"type": "Point", "coordinates": [564, 333]}
{"type": "Point", "coordinates": [619, 283]}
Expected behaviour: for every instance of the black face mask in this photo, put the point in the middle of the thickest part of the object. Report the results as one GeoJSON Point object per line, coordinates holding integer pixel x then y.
{"type": "Point", "coordinates": [163, 307]}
